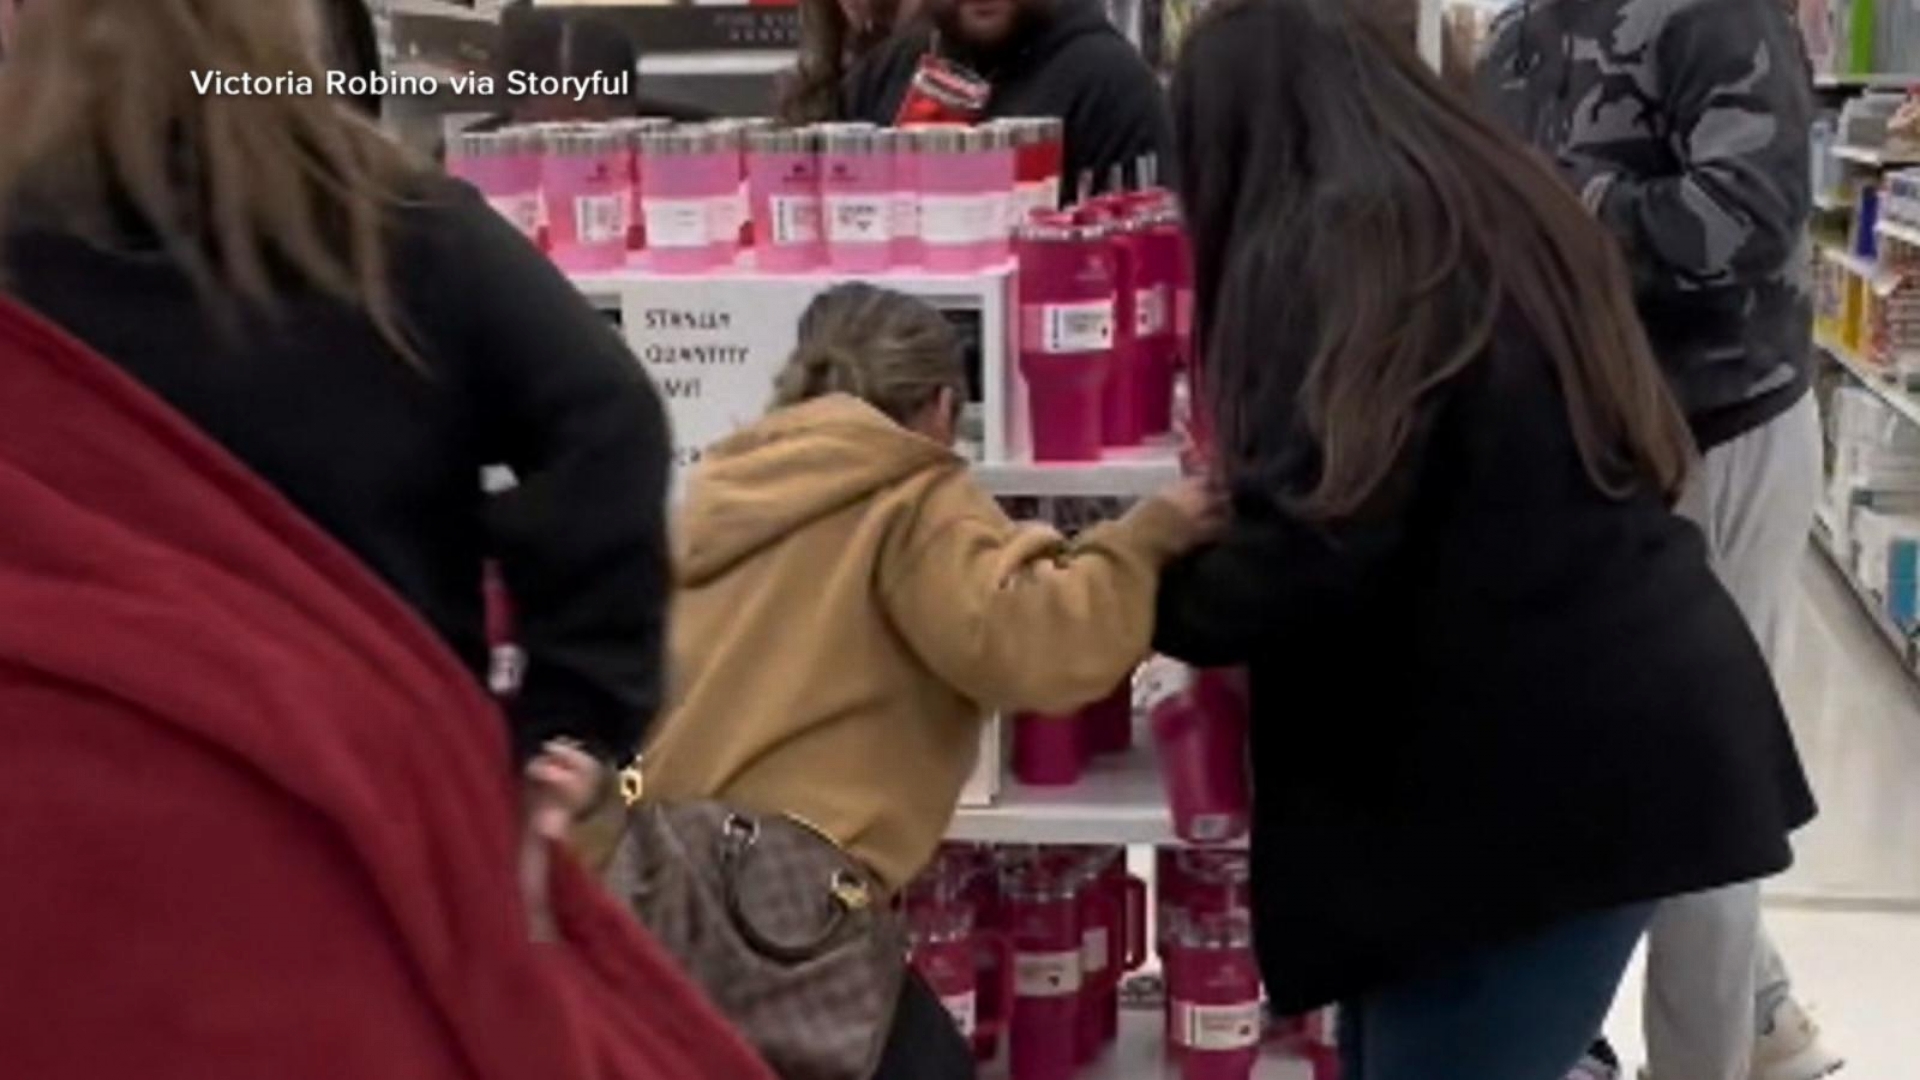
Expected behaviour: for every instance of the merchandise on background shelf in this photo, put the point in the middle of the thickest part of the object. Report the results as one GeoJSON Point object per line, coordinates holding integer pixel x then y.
{"type": "Point", "coordinates": [1114, 950]}
{"type": "Point", "coordinates": [1886, 547]}
{"type": "Point", "coordinates": [1199, 722]}
{"type": "Point", "coordinates": [784, 176]}
{"type": "Point", "coordinates": [1066, 338]}
{"type": "Point", "coordinates": [585, 182]}
{"type": "Point", "coordinates": [1900, 203]}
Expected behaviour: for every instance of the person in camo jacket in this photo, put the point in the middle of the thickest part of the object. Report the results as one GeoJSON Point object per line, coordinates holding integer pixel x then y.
{"type": "Point", "coordinates": [1683, 125]}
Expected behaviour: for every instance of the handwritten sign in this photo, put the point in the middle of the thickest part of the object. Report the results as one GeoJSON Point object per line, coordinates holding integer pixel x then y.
{"type": "Point", "coordinates": [713, 347]}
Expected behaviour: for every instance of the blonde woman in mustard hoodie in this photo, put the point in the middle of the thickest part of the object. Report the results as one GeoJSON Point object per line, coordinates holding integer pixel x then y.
{"type": "Point", "coordinates": [849, 606]}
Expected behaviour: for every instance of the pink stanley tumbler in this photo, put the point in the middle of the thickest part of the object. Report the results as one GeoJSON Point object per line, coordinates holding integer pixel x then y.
{"type": "Point", "coordinates": [1200, 733]}
{"type": "Point", "coordinates": [1159, 245]}
{"type": "Point", "coordinates": [1049, 751]}
{"type": "Point", "coordinates": [784, 167]}
{"type": "Point", "coordinates": [584, 179]}
{"type": "Point", "coordinates": [905, 225]}
{"type": "Point", "coordinates": [504, 167]}
{"type": "Point", "coordinates": [992, 148]}
{"type": "Point", "coordinates": [856, 186]}
{"type": "Point", "coordinates": [682, 179]}
{"type": "Point", "coordinates": [1043, 920]}
{"type": "Point", "coordinates": [955, 198]}
{"type": "Point", "coordinates": [1067, 290]}
{"type": "Point", "coordinates": [1213, 986]}
{"type": "Point", "coordinates": [1120, 422]}
{"type": "Point", "coordinates": [947, 949]}
{"type": "Point", "coordinates": [1110, 721]}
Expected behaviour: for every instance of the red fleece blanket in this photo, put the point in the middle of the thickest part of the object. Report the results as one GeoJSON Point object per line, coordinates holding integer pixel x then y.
{"type": "Point", "coordinates": [256, 823]}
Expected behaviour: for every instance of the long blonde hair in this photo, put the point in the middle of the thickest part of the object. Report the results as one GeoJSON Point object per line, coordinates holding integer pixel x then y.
{"type": "Point", "coordinates": [249, 195]}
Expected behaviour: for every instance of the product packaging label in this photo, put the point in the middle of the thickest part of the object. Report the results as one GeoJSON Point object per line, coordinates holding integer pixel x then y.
{"type": "Point", "coordinates": [600, 219]}
{"type": "Point", "coordinates": [906, 215]}
{"type": "Point", "coordinates": [954, 220]}
{"type": "Point", "coordinates": [1050, 974]}
{"type": "Point", "coordinates": [1153, 311]}
{"type": "Point", "coordinates": [523, 211]}
{"type": "Point", "coordinates": [679, 223]}
{"type": "Point", "coordinates": [1086, 326]}
{"type": "Point", "coordinates": [1095, 946]}
{"type": "Point", "coordinates": [965, 1010]}
{"type": "Point", "coordinates": [795, 219]}
{"type": "Point", "coordinates": [1217, 1027]}
{"type": "Point", "coordinates": [859, 219]}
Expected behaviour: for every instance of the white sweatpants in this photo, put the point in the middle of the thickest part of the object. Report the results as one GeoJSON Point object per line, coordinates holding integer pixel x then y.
{"type": "Point", "coordinates": [1709, 961]}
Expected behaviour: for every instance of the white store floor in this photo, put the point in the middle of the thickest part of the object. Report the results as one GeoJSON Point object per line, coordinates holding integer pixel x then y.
{"type": "Point", "coordinates": [1847, 917]}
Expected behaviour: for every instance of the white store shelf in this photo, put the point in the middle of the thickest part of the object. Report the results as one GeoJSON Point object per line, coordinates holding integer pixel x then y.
{"type": "Point", "coordinates": [1894, 230]}
{"type": "Point", "coordinates": [1874, 379]}
{"type": "Point", "coordinates": [1118, 801]}
{"type": "Point", "coordinates": [1878, 81]}
{"type": "Point", "coordinates": [1873, 157]}
{"type": "Point", "coordinates": [1140, 1054]}
{"type": "Point", "coordinates": [1876, 612]}
{"type": "Point", "coordinates": [1858, 265]}
{"type": "Point", "coordinates": [1123, 474]}
{"type": "Point", "coordinates": [1832, 202]}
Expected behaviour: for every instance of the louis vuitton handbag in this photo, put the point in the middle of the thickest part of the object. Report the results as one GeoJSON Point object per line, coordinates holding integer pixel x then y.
{"type": "Point", "coordinates": [787, 934]}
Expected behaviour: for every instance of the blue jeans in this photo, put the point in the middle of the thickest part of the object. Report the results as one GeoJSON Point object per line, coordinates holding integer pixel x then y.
{"type": "Point", "coordinates": [1525, 1010]}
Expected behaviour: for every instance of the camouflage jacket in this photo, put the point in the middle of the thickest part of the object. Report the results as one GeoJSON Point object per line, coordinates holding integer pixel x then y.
{"type": "Point", "coordinates": [1684, 126]}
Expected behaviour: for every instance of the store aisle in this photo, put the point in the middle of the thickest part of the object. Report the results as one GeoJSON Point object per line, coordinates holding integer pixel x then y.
{"type": "Point", "coordinates": [1847, 917]}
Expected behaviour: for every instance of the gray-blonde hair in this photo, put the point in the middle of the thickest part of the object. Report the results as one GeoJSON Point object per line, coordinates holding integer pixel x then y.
{"type": "Point", "coordinates": [888, 349]}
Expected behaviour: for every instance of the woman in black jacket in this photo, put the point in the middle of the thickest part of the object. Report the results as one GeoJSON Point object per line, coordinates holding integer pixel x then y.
{"type": "Point", "coordinates": [1501, 704]}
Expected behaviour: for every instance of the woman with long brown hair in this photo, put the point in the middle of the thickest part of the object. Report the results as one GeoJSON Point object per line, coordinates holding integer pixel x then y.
{"type": "Point", "coordinates": [257, 815]}
{"type": "Point", "coordinates": [834, 35]}
{"type": "Point", "coordinates": [1501, 704]}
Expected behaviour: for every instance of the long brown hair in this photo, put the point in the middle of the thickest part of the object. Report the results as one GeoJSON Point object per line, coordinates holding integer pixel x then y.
{"type": "Point", "coordinates": [830, 44]}
{"type": "Point", "coordinates": [1361, 233]}
{"type": "Point", "coordinates": [247, 194]}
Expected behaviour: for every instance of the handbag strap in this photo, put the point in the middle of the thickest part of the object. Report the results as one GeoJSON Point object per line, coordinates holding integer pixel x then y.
{"type": "Point", "coordinates": [847, 892]}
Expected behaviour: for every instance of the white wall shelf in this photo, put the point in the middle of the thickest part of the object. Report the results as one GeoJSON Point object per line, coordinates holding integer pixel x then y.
{"type": "Point", "coordinates": [1140, 1054]}
{"type": "Point", "coordinates": [1894, 230]}
{"type": "Point", "coordinates": [1874, 379]}
{"type": "Point", "coordinates": [1123, 474]}
{"type": "Point", "coordinates": [1878, 81]}
{"type": "Point", "coordinates": [1874, 157]}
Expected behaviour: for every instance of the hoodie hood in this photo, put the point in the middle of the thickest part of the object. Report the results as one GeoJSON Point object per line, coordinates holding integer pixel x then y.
{"type": "Point", "coordinates": [794, 467]}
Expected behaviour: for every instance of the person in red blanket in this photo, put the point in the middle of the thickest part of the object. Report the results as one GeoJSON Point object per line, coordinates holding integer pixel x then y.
{"type": "Point", "coordinates": [257, 815]}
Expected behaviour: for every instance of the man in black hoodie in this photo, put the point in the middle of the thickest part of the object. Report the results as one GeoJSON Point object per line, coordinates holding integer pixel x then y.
{"type": "Point", "coordinates": [1055, 58]}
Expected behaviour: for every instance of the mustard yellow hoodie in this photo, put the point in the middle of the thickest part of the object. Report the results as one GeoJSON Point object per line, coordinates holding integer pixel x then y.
{"type": "Point", "coordinates": [848, 608]}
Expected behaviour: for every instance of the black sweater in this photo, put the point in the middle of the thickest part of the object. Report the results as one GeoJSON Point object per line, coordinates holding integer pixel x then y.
{"type": "Point", "coordinates": [1076, 66]}
{"type": "Point", "coordinates": [1505, 700]}
{"type": "Point", "coordinates": [519, 370]}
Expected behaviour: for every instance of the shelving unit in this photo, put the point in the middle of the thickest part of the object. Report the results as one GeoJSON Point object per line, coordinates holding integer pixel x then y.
{"type": "Point", "coordinates": [1874, 378]}
{"type": "Point", "coordinates": [1140, 1055]}
{"type": "Point", "coordinates": [1894, 230]}
{"type": "Point", "coordinates": [1883, 81]}
{"type": "Point", "coordinates": [1119, 801]}
{"type": "Point", "coordinates": [1904, 647]}
{"type": "Point", "coordinates": [1874, 157]}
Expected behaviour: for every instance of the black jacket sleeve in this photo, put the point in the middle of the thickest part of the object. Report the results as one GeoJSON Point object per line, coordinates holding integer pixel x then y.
{"type": "Point", "coordinates": [1120, 117]}
{"type": "Point", "coordinates": [1272, 574]}
{"type": "Point", "coordinates": [582, 541]}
